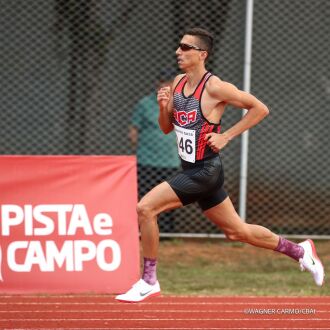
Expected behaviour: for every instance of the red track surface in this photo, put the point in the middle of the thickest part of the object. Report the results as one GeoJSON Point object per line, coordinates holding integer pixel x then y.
{"type": "Point", "coordinates": [102, 312]}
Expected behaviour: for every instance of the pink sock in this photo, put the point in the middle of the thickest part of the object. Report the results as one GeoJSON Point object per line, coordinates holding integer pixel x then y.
{"type": "Point", "coordinates": [149, 271]}
{"type": "Point", "coordinates": [289, 248]}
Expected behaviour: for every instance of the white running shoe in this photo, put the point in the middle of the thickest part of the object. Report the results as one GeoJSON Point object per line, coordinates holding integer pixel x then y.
{"type": "Point", "coordinates": [311, 262]}
{"type": "Point", "coordinates": [139, 292]}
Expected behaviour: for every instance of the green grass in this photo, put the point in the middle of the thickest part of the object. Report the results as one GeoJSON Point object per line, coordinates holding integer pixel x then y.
{"type": "Point", "coordinates": [218, 267]}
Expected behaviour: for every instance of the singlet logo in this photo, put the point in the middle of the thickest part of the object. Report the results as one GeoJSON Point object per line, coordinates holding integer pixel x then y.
{"type": "Point", "coordinates": [184, 118]}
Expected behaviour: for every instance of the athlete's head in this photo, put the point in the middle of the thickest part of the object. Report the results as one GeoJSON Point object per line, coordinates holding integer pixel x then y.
{"type": "Point", "coordinates": [196, 46]}
{"type": "Point", "coordinates": [204, 38]}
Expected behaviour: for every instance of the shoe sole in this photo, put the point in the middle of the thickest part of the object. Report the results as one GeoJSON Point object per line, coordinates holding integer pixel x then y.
{"type": "Point", "coordinates": [135, 302]}
{"type": "Point", "coordinates": [316, 256]}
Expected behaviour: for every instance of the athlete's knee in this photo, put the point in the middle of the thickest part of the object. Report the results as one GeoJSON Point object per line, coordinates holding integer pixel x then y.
{"type": "Point", "coordinates": [145, 211]}
{"type": "Point", "coordinates": [240, 234]}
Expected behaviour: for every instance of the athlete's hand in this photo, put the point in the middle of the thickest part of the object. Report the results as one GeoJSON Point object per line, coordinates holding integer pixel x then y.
{"type": "Point", "coordinates": [216, 141]}
{"type": "Point", "coordinates": [163, 96]}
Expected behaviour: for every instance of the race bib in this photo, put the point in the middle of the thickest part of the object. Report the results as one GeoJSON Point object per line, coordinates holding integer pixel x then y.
{"type": "Point", "coordinates": [186, 143]}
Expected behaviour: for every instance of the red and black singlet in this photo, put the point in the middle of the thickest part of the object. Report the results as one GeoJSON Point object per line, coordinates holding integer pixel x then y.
{"type": "Point", "coordinates": [190, 124]}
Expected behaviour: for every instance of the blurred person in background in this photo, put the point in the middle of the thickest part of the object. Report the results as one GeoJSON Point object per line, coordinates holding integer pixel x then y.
{"type": "Point", "coordinates": [157, 154]}
{"type": "Point", "coordinates": [193, 108]}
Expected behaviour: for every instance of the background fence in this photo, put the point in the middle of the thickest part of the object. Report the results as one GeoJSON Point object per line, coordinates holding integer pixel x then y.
{"type": "Point", "coordinates": [71, 72]}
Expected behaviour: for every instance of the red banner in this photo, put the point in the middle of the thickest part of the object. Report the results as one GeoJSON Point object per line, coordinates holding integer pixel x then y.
{"type": "Point", "coordinates": [68, 224]}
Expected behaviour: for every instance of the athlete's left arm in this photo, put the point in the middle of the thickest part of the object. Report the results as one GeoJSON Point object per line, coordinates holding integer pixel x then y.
{"type": "Point", "coordinates": [229, 94]}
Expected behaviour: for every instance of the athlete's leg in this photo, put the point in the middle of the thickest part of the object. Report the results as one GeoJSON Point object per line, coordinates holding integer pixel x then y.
{"type": "Point", "coordinates": [159, 199]}
{"type": "Point", "coordinates": [225, 216]}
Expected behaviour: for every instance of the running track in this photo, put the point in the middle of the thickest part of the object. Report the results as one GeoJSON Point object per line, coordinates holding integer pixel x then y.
{"type": "Point", "coordinates": [167, 312]}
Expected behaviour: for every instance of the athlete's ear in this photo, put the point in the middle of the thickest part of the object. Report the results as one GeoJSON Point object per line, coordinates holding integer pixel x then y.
{"type": "Point", "coordinates": [203, 55]}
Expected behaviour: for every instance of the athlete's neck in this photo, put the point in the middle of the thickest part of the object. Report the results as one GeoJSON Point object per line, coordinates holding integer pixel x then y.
{"type": "Point", "coordinates": [194, 76]}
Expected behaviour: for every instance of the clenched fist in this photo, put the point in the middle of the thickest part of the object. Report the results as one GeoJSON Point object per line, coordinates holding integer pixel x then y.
{"type": "Point", "coordinates": [163, 96]}
{"type": "Point", "coordinates": [216, 141]}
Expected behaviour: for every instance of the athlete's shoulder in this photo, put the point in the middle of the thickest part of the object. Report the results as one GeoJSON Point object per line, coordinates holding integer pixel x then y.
{"type": "Point", "coordinates": [218, 86]}
{"type": "Point", "coordinates": [176, 81]}
{"type": "Point", "coordinates": [214, 81]}
{"type": "Point", "coordinates": [178, 78]}
{"type": "Point", "coordinates": [214, 84]}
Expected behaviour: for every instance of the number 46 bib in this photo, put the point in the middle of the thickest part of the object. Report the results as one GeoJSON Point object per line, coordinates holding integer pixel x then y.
{"type": "Point", "coordinates": [186, 143]}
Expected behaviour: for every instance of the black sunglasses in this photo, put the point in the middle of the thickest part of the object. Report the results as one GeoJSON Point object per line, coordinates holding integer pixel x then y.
{"type": "Point", "coordinates": [186, 47]}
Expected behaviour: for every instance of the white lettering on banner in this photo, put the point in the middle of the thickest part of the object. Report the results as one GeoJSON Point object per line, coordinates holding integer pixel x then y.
{"type": "Point", "coordinates": [7, 220]}
{"type": "Point", "coordinates": [61, 220]}
{"type": "Point", "coordinates": [14, 215]}
{"type": "Point", "coordinates": [101, 222]}
{"type": "Point", "coordinates": [73, 253]}
{"type": "Point", "coordinates": [79, 219]}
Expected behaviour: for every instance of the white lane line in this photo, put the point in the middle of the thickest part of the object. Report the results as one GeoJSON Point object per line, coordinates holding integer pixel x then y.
{"type": "Point", "coordinates": [165, 296]}
{"type": "Point", "coordinates": [176, 328]}
{"type": "Point", "coordinates": [172, 328]}
{"type": "Point", "coordinates": [139, 311]}
{"type": "Point", "coordinates": [170, 303]}
{"type": "Point", "coordinates": [167, 319]}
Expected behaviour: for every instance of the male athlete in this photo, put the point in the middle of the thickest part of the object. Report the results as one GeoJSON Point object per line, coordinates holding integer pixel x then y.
{"type": "Point", "coordinates": [193, 108]}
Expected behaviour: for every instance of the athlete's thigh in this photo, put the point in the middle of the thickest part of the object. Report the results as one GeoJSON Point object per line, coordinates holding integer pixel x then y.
{"type": "Point", "coordinates": [224, 215]}
{"type": "Point", "coordinates": [161, 198]}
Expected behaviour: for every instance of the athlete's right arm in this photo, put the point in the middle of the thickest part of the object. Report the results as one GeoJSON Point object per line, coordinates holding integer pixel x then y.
{"type": "Point", "coordinates": [165, 102]}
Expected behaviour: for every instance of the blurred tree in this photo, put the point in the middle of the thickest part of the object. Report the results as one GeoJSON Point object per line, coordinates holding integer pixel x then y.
{"type": "Point", "coordinates": [83, 38]}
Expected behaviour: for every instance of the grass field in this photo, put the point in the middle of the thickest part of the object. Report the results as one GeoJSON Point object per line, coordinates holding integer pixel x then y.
{"type": "Point", "coordinates": [220, 267]}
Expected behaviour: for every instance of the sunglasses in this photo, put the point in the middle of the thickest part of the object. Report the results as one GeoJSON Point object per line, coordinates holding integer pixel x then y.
{"type": "Point", "coordinates": [186, 47]}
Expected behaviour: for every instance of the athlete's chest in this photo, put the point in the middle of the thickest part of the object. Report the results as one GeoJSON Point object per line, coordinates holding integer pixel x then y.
{"type": "Point", "coordinates": [188, 110]}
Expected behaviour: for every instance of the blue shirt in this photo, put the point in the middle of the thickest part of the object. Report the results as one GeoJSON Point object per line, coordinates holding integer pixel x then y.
{"type": "Point", "coordinates": [154, 148]}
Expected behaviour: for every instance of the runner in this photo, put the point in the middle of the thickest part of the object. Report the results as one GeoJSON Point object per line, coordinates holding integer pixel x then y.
{"type": "Point", "coordinates": [194, 109]}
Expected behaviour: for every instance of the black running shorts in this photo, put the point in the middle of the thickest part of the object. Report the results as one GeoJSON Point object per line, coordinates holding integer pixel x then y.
{"type": "Point", "coordinates": [200, 182]}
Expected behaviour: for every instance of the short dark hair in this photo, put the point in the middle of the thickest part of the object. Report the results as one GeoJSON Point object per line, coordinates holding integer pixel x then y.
{"type": "Point", "coordinates": [205, 37]}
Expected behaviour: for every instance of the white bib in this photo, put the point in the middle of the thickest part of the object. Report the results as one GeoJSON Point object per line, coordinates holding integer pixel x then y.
{"type": "Point", "coordinates": [186, 140]}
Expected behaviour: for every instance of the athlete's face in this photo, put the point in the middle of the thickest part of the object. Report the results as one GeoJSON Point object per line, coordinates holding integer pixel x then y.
{"type": "Point", "coordinates": [189, 52]}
